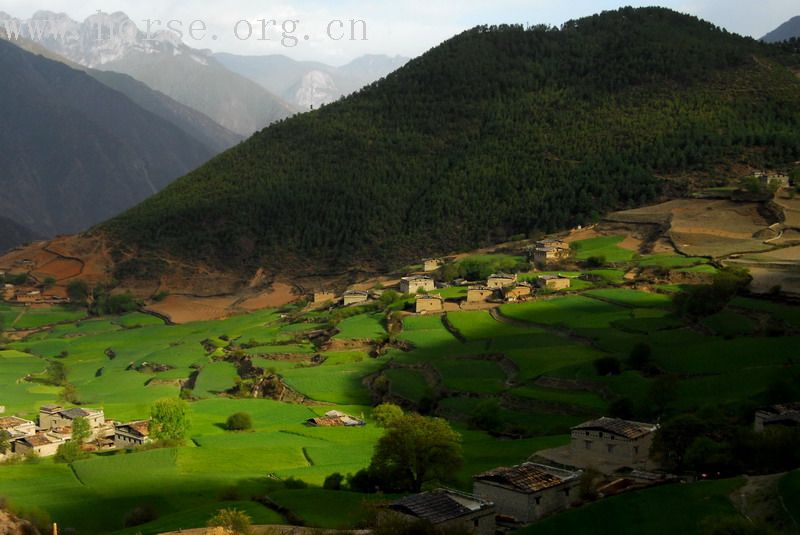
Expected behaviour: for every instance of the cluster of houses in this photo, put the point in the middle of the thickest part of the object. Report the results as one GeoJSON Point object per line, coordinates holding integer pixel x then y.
{"type": "Point", "coordinates": [499, 287]}
{"type": "Point", "coordinates": [54, 428]}
{"type": "Point", "coordinates": [527, 492]}
{"type": "Point", "coordinates": [523, 494]}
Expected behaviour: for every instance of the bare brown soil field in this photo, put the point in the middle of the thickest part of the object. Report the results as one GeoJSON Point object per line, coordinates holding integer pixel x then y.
{"type": "Point", "coordinates": [279, 295]}
{"type": "Point", "coordinates": [707, 227]}
{"type": "Point", "coordinates": [185, 309]}
{"type": "Point", "coordinates": [786, 254]}
{"type": "Point", "coordinates": [791, 210]}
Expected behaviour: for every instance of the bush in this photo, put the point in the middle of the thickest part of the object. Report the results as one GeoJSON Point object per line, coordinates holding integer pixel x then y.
{"type": "Point", "coordinates": [333, 482]}
{"type": "Point", "coordinates": [595, 261]}
{"type": "Point", "coordinates": [608, 366]}
{"type": "Point", "coordinates": [140, 515]}
{"type": "Point", "coordinates": [233, 521]}
{"type": "Point", "coordinates": [240, 421]}
{"type": "Point", "coordinates": [69, 452]}
{"type": "Point", "coordinates": [640, 356]}
{"type": "Point", "coordinates": [363, 482]}
{"type": "Point", "coordinates": [486, 416]}
{"type": "Point", "coordinates": [294, 483]}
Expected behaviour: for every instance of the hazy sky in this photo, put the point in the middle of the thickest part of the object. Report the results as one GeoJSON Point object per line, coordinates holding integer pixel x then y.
{"type": "Point", "coordinates": [406, 27]}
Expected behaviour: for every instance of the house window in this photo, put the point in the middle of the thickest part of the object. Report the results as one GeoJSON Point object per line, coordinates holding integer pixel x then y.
{"type": "Point", "coordinates": [610, 448]}
{"type": "Point", "coordinates": [587, 444]}
{"type": "Point", "coordinates": [538, 500]}
{"type": "Point", "coordinates": [601, 434]}
{"type": "Point", "coordinates": [636, 450]}
{"type": "Point", "coordinates": [566, 492]}
{"type": "Point", "coordinates": [476, 522]}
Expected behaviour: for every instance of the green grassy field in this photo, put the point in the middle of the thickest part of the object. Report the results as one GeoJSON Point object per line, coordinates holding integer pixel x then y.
{"type": "Point", "coordinates": [789, 487]}
{"type": "Point", "coordinates": [669, 509]}
{"type": "Point", "coordinates": [606, 247]}
{"type": "Point", "coordinates": [457, 361]}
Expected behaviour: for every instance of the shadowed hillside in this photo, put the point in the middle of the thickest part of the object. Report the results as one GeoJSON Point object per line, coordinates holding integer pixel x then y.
{"type": "Point", "coordinates": [498, 131]}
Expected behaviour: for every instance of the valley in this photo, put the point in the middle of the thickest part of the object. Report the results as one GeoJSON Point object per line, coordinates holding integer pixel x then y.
{"type": "Point", "coordinates": [512, 377]}
{"type": "Point", "coordinates": [534, 280]}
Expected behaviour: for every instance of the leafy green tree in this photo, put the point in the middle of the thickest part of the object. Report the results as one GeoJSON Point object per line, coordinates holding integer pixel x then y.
{"type": "Point", "coordinates": [416, 449]}
{"type": "Point", "coordinates": [333, 482]}
{"type": "Point", "coordinates": [78, 291]}
{"type": "Point", "coordinates": [169, 420]}
{"type": "Point", "coordinates": [386, 413]}
{"type": "Point", "coordinates": [240, 421]}
{"type": "Point", "coordinates": [69, 452]}
{"type": "Point", "coordinates": [81, 430]}
{"type": "Point", "coordinates": [674, 437]}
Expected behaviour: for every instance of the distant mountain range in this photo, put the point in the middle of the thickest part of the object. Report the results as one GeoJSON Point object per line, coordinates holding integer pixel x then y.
{"type": "Point", "coordinates": [784, 32]}
{"type": "Point", "coordinates": [310, 83]}
{"type": "Point", "coordinates": [74, 152]}
{"type": "Point", "coordinates": [192, 122]}
{"type": "Point", "coordinates": [189, 76]}
{"type": "Point", "coordinates": [497, 132]}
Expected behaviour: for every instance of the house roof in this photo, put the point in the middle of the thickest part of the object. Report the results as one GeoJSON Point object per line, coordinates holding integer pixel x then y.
{"type": "Point", "coordinates": [9, 422]}
{"type": "Point", "coordinates": [439, 506]}
{"type": "Point", "coordinates": [356, 292]}
{"type": "Point", "coordinates": [77, 412]}
{"type": "Point", "coordinates": [551, 277]}
{"type": "Point", "coordinates": [617, 426]}
{"type": "Point", "coordinates": [528, 477]}
{"type": "Point", "coordinates": [480, 288]}
{"type": "Point", "coordinates": [39, 439]}
{"type": "Point", "coordinates": [430, 296]}
{"type": "Point", "coordinates": [51, 408]}
{"type": "Point", "coordinates": [785, 408]}
{"type": "Point", "coordinates": [140, 427]}
{"type": "Point", "coordinates": [502, 275]}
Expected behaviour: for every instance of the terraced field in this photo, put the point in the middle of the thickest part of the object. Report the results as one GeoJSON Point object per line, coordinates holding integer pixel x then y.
{"type": "Point", "coordinates": [533, 364]}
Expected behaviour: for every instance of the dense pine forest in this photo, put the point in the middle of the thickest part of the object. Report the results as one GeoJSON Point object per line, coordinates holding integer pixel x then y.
{"type": "Point", "coordinates": [499, 131]}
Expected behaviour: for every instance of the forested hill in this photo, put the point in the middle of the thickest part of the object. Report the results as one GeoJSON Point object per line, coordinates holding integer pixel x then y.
{"type": "Point", "coordinates": [496, 132]}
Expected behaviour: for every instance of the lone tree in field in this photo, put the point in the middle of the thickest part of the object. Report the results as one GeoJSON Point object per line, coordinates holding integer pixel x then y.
{"type": "Point", "coordinates": [5, 441]}
{"type": "Point", "coordinates": [169, 420]}
{"type": "Point", "coordinates": [417, 449]}
{"type": "Point", "coordinates": [240, 421]}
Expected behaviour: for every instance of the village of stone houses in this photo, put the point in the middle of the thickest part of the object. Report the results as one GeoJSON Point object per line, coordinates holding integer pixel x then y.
{"type": "Point", "coordinates": [539, 386]}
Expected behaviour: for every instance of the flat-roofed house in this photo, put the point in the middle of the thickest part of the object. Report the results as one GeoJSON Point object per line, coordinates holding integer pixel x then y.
{"type": "Point", "coordinates": [17, 426]}
{"type": "Point", "coordinates": [550, 251]}
{"type": "Point", "coordinates": [431, 264]}
{"type": "Point", "coordinates": [553, 282]}
{"type": "Point", "coordinates": [498, 281]}
{"type": "Point", "coordinates": [354, 297]}
{"type": "Point", "coordinates": [416, 283]}
{"type": "Point", "coordinates": [447, 509]}
{"type": "Point", "coordinates": [612, 443]}
{"type": "Point", "coordinates": [9, 291]}
{"type": "Point", "coordinates": [519, 292]}
{"type": "Point", "coordinates": [132, 434]}
{"type": "Point", "coordinates": [324, 297]}
{"type": "Point", "coordinates": [29, 296]}
{"type": "Point", "coordinates": [784, 414]}
{"type": "Point", "coordinates": [41, 444]}
{"type": "Point", "coordinates": [529, 491]}
{"type": "Point", "coordinates": [57, 419]}
{"type": "Point", "coordinates": [479, 294]}
{"type": "Point", "coordinates": [429, 303]}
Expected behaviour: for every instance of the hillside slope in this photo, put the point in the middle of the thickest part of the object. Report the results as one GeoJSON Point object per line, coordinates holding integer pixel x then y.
{"type": "Point", "coordinates": [75, 152]}
{"type": "Point", "coordinates": [496, 132]}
